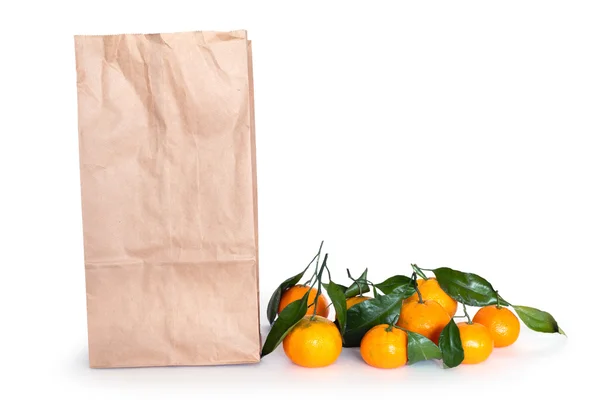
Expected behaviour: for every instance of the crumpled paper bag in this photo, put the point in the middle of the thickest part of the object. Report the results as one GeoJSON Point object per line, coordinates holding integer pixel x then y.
{"type": "Point", "coordinates": [168, 190]}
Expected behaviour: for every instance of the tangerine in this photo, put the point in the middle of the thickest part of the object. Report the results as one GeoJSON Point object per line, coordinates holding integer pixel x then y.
{"type": "Point", "coordinates": [476, 341]}
{"type": "Point", "coordinates": [503, 325]}
{"type": "Point", "coordinates": [427, 318]}
{"type": "Point", "coordinates": [384, 346]}
{"type": "Point", "coordinates": [314, 342]}
{"type": "Point", "coordinates": [430, 290]}
{"type": "Point", "coordinates": [352, 301]}
{"type": "Point", "coordinates": [297, 292]}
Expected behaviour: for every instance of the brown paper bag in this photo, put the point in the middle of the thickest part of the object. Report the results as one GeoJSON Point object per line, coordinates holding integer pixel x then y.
{"type": "Point", "coordinates": [168, 184]}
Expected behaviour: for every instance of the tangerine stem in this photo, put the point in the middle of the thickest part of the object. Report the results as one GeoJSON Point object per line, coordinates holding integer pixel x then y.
{"type": "Point", "coordinates": [419, 271]}
{"type": "Point", "coordinates": [390, 327]}
{"type": "Point", "coordinates": [319, 277]}
{"type": "Point", "coordinates": [328, 273]}
{"type": "Point", "coordinates": [358, 282]}
{"type": "Point", "coordinates": [308, 292]}
{"type": "Point", "coordinates": [305, 269]}
{"type": "Point", "coordinates": [318, 256]}
{"type": "Point", "coordinates": [467, 314]}
{"type": "Point", "coordinates": [414, 276]}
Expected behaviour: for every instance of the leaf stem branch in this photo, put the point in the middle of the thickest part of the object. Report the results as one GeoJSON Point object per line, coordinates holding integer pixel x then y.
{"type": "Point", "coordinates": [319, 285]}
{"type": "Point", "coordinates": [467, 314]}
{"type": "Point", "coordinates": [358, 282]}
{"type": "Point", "coordinates": [414, 279]}
{"type": "Point", "coordinates": [419, 271]}
{"type": "Point", "coordinates": [318, 256]}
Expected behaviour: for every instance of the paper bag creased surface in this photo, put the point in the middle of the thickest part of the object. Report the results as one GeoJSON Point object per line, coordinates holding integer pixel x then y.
{"type": "Point", "coordinates": [168, 184]}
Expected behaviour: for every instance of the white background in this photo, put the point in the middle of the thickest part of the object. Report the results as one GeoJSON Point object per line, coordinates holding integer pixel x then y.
{"type": "Point", "coordinates": [443, 133]}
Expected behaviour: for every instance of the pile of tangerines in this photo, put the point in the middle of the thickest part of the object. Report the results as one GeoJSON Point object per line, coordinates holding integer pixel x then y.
{"type": "Point", "coordinates": [417, 323]}
{"type": "Point", "coordinates": [317, 342]}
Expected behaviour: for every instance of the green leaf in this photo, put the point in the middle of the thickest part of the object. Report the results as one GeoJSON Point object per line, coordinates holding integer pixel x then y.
{"type": "Point", "coordinates": [561, 331]}
{"type": "Point", "coordinates": [383, 310]}
{"type": "Point", "coordinates": [451, 345]}
{"type": "Point", "coordinates": [421, 348]}
{"type": "Point", "coordinates": [392, 283]}
{"type": "Point", "coordinates": [538, 320]}
{"type": "Point", "coordinates": [273, 305]}
{"type": "Point", "coordinates": [466, 288]}
{"type": "Point", "coordinates": [344, 288]}
{"type": "Point", "coordinates": [336, 294]}
{"type": "Point", "coordinates": [288, 318]}
{"type": "Point", "coordinates": [359, 286]}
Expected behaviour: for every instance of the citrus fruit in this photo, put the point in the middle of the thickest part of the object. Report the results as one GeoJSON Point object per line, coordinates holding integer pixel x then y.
{"type": "Point", "coordinates": [384, 347]}
{"type": "Point", "coordinates": [476, 341]}
{"type": "Point", "coordinates": [430, 290]}
{"type": "Point", "coordinates": [296, 292]}
{"type": "Point", "coordinates": [352, 301]}
{"type": "Point", "coordinates": [314, 342]}
{"type": "Point", "coordinates": [427, 318]}
{"type": "Point", "coordinates": [503, 325]}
